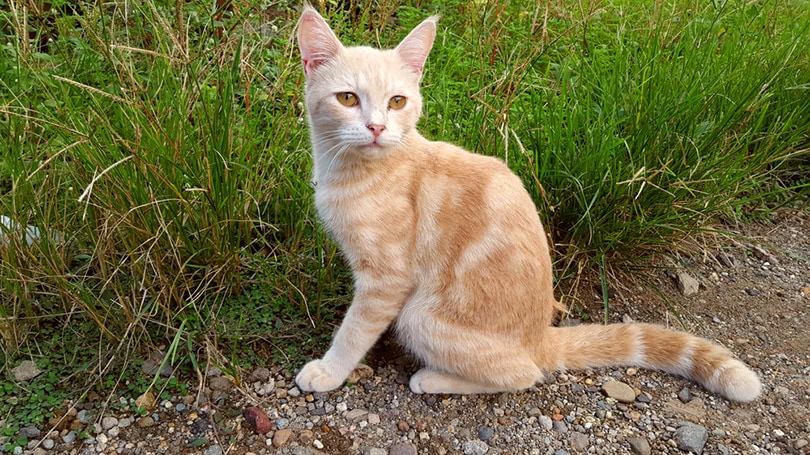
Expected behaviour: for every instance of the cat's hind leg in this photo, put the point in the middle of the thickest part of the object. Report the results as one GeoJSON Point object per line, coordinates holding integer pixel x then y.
{"type": "Point", "coordinates": [428, 380]}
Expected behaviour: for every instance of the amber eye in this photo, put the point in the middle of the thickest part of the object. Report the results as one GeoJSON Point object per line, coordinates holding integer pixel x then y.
{"type": "Point", "coordinates": [396, 102]}
{"type": "Point", "coordinates": [348, 99]}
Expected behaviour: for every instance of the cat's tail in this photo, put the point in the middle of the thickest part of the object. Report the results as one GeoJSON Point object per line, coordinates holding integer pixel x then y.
{"type": "Point", "coordinates": [650, 346]}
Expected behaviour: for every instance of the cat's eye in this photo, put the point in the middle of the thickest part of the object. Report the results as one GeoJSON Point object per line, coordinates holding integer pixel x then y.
{"type": "Point", "coordinates": [347, 99]}
{"type": "Point", "coordinates": [396, 102]}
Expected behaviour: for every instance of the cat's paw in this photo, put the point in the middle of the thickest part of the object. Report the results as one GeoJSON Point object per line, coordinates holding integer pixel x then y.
{"type": "Point", "coordinates": [428, 381]}
{"type": "Point", "coordinates": [317, 376]}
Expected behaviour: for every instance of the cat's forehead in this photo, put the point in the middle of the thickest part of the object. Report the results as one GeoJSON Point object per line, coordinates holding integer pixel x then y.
{"type": "Point", "coordinates": [373, 69]}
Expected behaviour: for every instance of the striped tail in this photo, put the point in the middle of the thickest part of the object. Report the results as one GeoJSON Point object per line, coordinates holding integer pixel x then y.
{"type": "Point", "coordinates": [650, 346]}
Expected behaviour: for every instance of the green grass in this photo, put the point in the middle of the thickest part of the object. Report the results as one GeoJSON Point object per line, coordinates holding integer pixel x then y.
{"type": "Point", "coordinates": [162, 152]}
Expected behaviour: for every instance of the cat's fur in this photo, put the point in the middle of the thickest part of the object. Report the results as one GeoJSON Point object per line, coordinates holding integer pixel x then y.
{"type": "Point", "coordinates": [448, 246]}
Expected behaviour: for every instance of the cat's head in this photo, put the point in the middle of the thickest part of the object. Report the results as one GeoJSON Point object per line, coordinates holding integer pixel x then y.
{"type": "Point", "coordinates": [361, 99]}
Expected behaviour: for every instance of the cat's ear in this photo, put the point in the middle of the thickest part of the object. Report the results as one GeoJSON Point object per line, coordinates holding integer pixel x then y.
{"type": "Point", "coordinates": [414, 49]}
{"type": "Point", "coordinates": [318, 43]}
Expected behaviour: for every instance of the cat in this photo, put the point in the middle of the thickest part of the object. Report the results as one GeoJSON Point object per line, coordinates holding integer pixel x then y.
{"type": "Point", "coordinates": [447, 245]}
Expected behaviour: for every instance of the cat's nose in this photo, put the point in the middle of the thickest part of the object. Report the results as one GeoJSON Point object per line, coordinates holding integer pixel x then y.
{"type": "Point", "coordinates": [376, 128]}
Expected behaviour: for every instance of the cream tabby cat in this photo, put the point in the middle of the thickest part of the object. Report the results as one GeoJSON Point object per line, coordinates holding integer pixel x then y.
{"type": "Point", "coordinates": [447, 245]}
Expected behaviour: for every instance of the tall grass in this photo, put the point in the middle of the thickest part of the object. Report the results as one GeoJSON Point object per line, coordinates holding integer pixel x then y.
{"type": "Point", "coordinates": [161, 149]}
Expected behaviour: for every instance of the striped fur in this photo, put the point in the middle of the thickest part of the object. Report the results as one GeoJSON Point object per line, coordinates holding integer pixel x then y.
{"type": "Point", "coordinates": [447, 245]}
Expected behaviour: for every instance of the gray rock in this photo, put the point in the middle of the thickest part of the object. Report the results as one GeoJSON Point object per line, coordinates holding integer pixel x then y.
{"type": "Point", "coordinates": [30, 432]}
{"type": "Point", "coordinates": [375, 451]}
{"type": "Point", "coordinates": [69, 438]}
{"type": "Point", "coordinates": [640, 446]}
{"type": "Point", "coordinates": [260, 374]}
{"type": "Point", "coordinates": [109, 422]}
{"type": "Point", "coordinates": [691, 437]}
{"type": "Point", "coordinates": [48, 444]}
{"type": "Point", "coordinates": [213, 450]}
{"type": "Point", "coordinates": [25, 371]}
{"type": "Point", "coordinates": [687, 284]}
{"type": "Point", "coordinates": [619, 391]}
{"type": "Point", "coordinates": [485, 433]}
{"type": "Point", "coordinates": [356, 414]}
{"type": "Point", "coordinates": [402, 448]}
{"type": "Point", "coordinates": [220, 383]}
{"type": "Point", "coordinates": [545, 422]}
{"type": "Point", "coordinates": [559, 426]}
{"type": "Point", "coordinates": [475, 448]}
{"type": "Point", "coordinates": [685, 395]}
{"type": "Point", "coordinates": [579, 441]}
{"type": "Point", "coordinates": [561, 452]}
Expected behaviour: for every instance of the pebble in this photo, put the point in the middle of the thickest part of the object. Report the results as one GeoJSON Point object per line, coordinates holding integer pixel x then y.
{"type": "Point", "coordinates": [30, 432]}
{"type": "Point", "coordinates": [280, 437]}
{"type": "Point", "coordinates": [579, 441]}
{"type": "Point", "coordinates": [213, 450]}
{"type": "Point", "coordinates": [69, 437]}
{"type": "Point", "coordinates": [640, 446]}
{"type": "Point", "coordinates": [691, 437]}
{"type": "Point", "coordinates": [48, 444]}
{"type": "Point", "coordinates": [25, 371]}
{"type": "Point", "coordinates": [545, 422]}
{"type": "Point", "coordinates": [619, 391]}
{"type": "Point", "coordinates": [485, 433]}
{"type": "Point", "coordinates": [356, 414]}
{"type": "Point", "coordinates": [402, 448]}
{"type": "Point", "coordinates": [685, 395]}
{"type": "Point", "coordinates": [475, 448]}
{"type": "Point", "coordinates": [109, 422]}
{"type": "Point", "coordinates": [145, 422]}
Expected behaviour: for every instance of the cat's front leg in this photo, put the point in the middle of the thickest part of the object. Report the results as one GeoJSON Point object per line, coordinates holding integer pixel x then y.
{"type": "Point", "coordinates": [370, 313]}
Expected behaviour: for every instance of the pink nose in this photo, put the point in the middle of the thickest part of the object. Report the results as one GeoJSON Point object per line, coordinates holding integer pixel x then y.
{"type": "Point", "coordinates": [376, 129]}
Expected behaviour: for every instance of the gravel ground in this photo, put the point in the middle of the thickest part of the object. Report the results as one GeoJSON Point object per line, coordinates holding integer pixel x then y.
{"type": "Point", "coordinates": [754, 300]}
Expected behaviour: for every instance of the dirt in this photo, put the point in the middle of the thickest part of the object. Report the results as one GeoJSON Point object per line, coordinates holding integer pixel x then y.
{"type": "Point", "coordinates": [754, 298]}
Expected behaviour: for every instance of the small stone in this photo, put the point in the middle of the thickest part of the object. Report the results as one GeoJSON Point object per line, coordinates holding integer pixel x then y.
{"type": "Point", "coordinates": [306, 437]}
{"type": "Point", "coordinates": [145, 422]}
{"type": "Point", "coordinates": [403, 426]}
{"type": "Point", "coordinates": [281, 437]}
{"type": "Point", "coordinates": [559, 426]}
{"type": "Point", "coordinates": [375, 451]}
{"type": "Point", "coordinates": [69, 438]}
{"type": "Point", "coordinates": [545, 422]}
{"type": "Point", "coordinates": [690, 437]}
{"type": "Point", "coordinates": [753, 292]}
{"type": "Point", "coordinates": [48, 444]}
{"type": "Point", "coordinates": [260, 374]}
{"type": "Point", "coordinates": [640, 446]}
{"type": "Point", "coordinates": [294, 392]}
{"type": "Point", "coordinates": [360, 373]}
{"type": "Point", "coordinates": [764, 255]}
{"type": "Point", "coordinates": [579, 441]}
{"type": "Point", "coordinates": [213, 372]}
{"type": "Point", "coordinates": [535, 412]}
{"type": "Point", "coordinates": [485, 433]}
{"type": "Point", "coordinates": [25, 371]}
{"type": "Point", "coordinates": [373, 419]}
{"type": "Point", "coordinates": [687, 284]}
{"type": "Point", "coordinates": [561, 452]}
{"type": "Point", "coordinates": [356, 414]}
{"type": "Point", "coordinates": [685, 395]}
{"type": "Point", "coordinates": [257, 419]}
{"type": "Point", "coordinates": [109, 422]}
{"type": "Point", "coordinates": [180, 407]}
{"type": "Point", "coordinates": [85, 416]}
{"type": "Point", "coordinates": [317, 444]}
{"type": "Point", "coordinates": [220, 383]}
{"type": "Point", "coordinates": [30, 432]}
{"type": "Point", "coordinates": [800, 443]}
{"type": "Point", "coordinates": [619, 391]}
{"type": "Point", "coordinates": [475, 448]}
{"type": "Point", "coordinates": [213, 450]}
{"type": "Point", "coordinates": [402, 448]}
{"type": "Point", "coordinates": [146, 401]}
{"type": "Point", "coordinates": [805, 290]}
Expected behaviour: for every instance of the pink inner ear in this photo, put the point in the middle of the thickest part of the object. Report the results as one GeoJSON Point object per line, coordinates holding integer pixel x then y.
{"type": "Point", "coordinates": [414, 49]}
{"type": "Point", "coordinates": [316, 41]}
